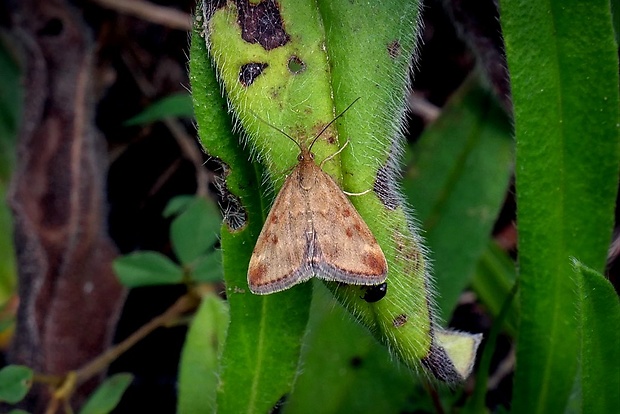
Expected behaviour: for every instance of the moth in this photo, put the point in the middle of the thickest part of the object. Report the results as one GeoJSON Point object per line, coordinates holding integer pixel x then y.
{"type": "Point", "coordinates": [313, 230]}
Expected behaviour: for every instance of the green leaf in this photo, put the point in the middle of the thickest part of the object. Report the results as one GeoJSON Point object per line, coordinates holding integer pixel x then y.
{"type": "Point", "coordinates": [177, 205]}
{"type": "Point", "coordinates": [198, 370]}
{"type": "Point", "coordinates": [15, 382]}
{"type": "Point", "coordinates": [493, 280]}
{"type": "Point", "coordinates": [18, 412]}
{"type": "Point", "coordinates": [461, 170]}
{"type": "Point", "coordinates": [195, 230]}
{"type": "Point", "coordinates": [563, 67]}
{"type": "Point", "coordinates": [348, 369]}
{"type": "Point", "coordinates": [107, 396]}
{"type": "Point", "coordinates": [208, 269]}
{"type": "Point", "coordinates": [263, 342]}
{"type": "Point", "coordinates": [147, 268]}
{"type": "Point", "coordinates": [173, 106]}
{"type": "Point", "coordinates": [477, 404]}
{"type": "Point", "coordinates": [599, 320]}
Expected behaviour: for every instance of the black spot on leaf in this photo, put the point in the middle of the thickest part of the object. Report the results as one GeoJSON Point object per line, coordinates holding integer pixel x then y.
{"type": "Point", "coordinates": [261, 23]}
{"type": "Point", "coordinates": [250, 71]}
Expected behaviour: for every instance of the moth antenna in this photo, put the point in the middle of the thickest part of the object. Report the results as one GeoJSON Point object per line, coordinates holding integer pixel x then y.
{"type": "Point", "coordinates": [278, 129]}
{"type": "Point", "coordinates": [332, 121]}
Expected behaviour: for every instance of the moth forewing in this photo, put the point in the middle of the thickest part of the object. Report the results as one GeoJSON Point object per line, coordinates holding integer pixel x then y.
{"type": "Point", "coordinates": [313, 230]}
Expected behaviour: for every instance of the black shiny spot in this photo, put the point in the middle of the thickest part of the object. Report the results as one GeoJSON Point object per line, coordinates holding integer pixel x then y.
{"type": "Point", "coordinates": [250, 71]}
{"type": "Point", "coordinates": [375, 293]}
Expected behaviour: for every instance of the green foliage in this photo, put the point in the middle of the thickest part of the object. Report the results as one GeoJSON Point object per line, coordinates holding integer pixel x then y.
{"type": "Point", "coordinates": [199, 362]}
{"type": "Point", "coordinates": [179, 106]}
{"type": "Point", "coordinates": [566, 119]}
{"type": "Point", "coordinates": [259, 360]}
{"type": "Point", "coordinates": [15, 382]}
{"type": "Point", "coordinates": [107, 396]}
{"type": "Point", "coordinates": [147, 268]}
{"type": "Point", "coordinates": [351, 371]}
{"type": "Point", "coordinates": [460, 174]}
{"type": "Point", "coordinates": [599, 328]}
{"type": "Point", "coordinates": [194, 233]}
{"type": "Point", "coordinates": [195, 230]}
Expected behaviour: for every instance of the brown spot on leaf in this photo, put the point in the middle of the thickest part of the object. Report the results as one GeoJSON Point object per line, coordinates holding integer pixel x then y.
{"type": "Point", "coordinates": [250, 71]}
{"type": "Point", "coordinates": [400, 320]}
{"type": "Point", "coordinates": [261, 23]}
{"type": "Point", "coordinates": [394, 49]}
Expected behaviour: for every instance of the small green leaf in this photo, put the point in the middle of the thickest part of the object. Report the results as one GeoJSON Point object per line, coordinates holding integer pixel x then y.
{"type": "Point", "coordinates": [208, 269]}
{"type": "Point", "coordinates": [15, 382]}
{"type": "Point", "coordinates": [177, 205]}
{"type": "Point", "coordinates": [17, 411]}
{"type": "Point", "coordinates": [174, 106]}
{"type": "Point", "coordinates": [198, 371]}
{"type": "Point", "coordinates": [599, 317]}
{"type": "Point", "coordinates": [107, 396]}
{"type": "Point", "coordinates": [195, 231]}
{"type": "Point", "coordinates": [147, 268]}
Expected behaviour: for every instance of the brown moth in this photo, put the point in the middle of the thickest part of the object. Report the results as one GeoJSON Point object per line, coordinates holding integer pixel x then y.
{"type": "Point", "coordinates": [314, 230]}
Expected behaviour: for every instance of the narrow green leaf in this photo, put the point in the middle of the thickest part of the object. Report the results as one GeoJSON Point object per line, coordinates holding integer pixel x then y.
{"type": "Point", "coordinates": [461, 170]}
{"type": "Point", "coordinates": [15, 382]}
{"type": "Point", "coordinates": [198, 370]}
{"type": "Point", "coordinates": [263, 342]}
{"type": "Point", "coordinates": [18, 412]}
{"type": "Point", "coordinates": [147, 268]}
{"type": "Point", "coordinates": [177, 205]}
{"type": "Point", "coordinates": [599, 320]}
{"type": "Point", "coordinates": [493, 279]}
{"type": "Point", "coordinates": [563, 67]}
{"type": "Point", "coordinates": [174, 106]}
{"type": "Point", "coordinates": [477, 403]}
{"type": "Point", "coordinates": [107, 396]}
{"type": "Point", "coordinates": [208, 269]}
{"type": "Point", "coordinates": [195, 230]}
